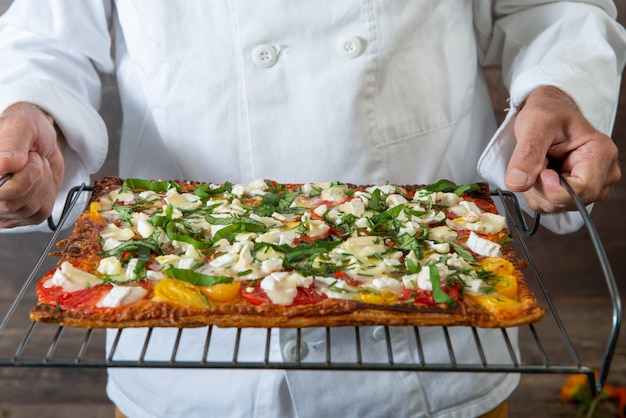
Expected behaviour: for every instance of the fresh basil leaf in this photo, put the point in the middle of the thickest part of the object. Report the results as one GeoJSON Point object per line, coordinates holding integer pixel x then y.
{"type": "Point", "coordinates": [411, 267]}
{"type": "Point", "coordinates": [470, 187]}
{"type": "Point", "coordinates": [152, 185]}
{"type": "Point", "coordinates": [133, 246]}
{"type": "Point", "coordinates": [462, 252]}
{"type": "Point", "coordinates": [206, 190]}
{"type": "Point", "coordinates": [438, 293]}
{"type": "Point", "coordinates": [196, 278]}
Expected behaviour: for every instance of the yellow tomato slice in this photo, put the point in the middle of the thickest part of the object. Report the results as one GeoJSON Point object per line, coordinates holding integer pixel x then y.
{"type": "Point", "coordinates": [94, 211]}
{"type": "Point", "coordinates": [506, 284]}
{"type": "Point", "coordinates": [497, 265]}
{"type": "Point", "coordinates": [494, 303]}
{"type": "Point", "coordinates": [180, 292]}
{"type": "Point", "coordinates": [221, 292]}
{"type": "Point", "coordinates": [382, 298]}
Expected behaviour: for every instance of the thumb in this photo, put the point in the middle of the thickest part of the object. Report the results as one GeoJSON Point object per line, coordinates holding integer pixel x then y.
{"type": "Point", "coordinates": [535, 135]}
{"type": "Point", "coordinates": [527, 161]}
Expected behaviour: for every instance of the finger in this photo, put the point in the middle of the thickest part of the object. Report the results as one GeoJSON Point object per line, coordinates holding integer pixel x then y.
{"type": "Point", "coordinates": [593, 167]}
{"type": "Point", "coordinates": [33, 204]}
{"type": "Point", "coordinates": [548, 195]}
{"type": "Point", "coordinates": [23, 181]}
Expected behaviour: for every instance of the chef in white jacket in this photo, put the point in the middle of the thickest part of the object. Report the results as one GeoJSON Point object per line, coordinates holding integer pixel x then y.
{"type": "Point", "coordinates": [296, 91]}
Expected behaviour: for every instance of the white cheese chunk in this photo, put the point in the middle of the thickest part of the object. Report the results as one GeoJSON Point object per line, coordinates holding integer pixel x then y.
{"type": "Point", "coordinates": [335, 193]}
{"type": "Point", "coordinates": [442, 234]}
{"type": "Point", "coordinates": [145, 228]}
{"type": "Point", "coordinates": [447, 199]}
{"type": "Point", "coordinates": [282, 287]}
{"type": "Point", "coordinates": [333, 288]}
{"type": "Point", "coordinates": [320, 210]}
{"type": "Point", "coordinates": [115, 232]}
{"type": "Point", "coordinates": [384, 188]}
{"type": "Point", "coordinates": [122, 295]}
{"type": "Point", "coordinates": [364, 246]}
{"type": "Point", "coordinates": [492, 223]}
{"type": "Point", "coordinates": [388, 284]}
{"type": "Point", "coordinates": [423, 277]}
{"type": "Point", "coordinates": [271, 265]}
{"type": "Point", "coordinates": [223, 260]}
{"type": "Point", "coordinates": [185, 201]}
{"type": "Point", "coordinates": [111, 266]}
{"type": "Point", "coordinates": [316, 228]}
{"type": "Point", "coordinates": [352, 207]}
{"type": "Point", "coordinates": [71, 279]}
{"type": "Point", "coordinates": [395, 200]}
{"type": "Point", "coordinates": [483, 246]}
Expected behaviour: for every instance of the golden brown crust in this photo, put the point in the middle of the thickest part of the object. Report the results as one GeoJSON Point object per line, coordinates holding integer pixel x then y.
{"type": "Point", "coordinates": [82, 248]}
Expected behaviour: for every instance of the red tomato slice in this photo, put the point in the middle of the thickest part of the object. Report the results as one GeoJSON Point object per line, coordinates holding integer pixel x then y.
{"type": "Point", "coordinates": [425, 297]}
{"type": "Point", "coordinates": [255, 295]}
{"type": "Point", "coordinates": [84, 299]}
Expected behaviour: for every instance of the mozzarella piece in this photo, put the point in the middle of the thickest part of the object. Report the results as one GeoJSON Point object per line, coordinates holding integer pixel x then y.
{"type": "Point", "coordinates": [423, 277]}
{"type": "Point", "coordinates": [223, 260]}
{"type": "Point", "coordinates": [335, 193]}
{"type": "Point", "coordinates": [145, 228]}
{"type": "Point", "coordinates": [316, 228]}
{"type": "Point", "coordinates": [387, 284]}
{"type": "Point", "coordinates": [122, 295]}
{"type": "Point", "coordinates": [483, 246]}
{"type": "Point", "coordinates": [442, 234]}
{"type": "Point", "coordinates": [354, 207]}
{"type": "Point", "coordinates": [447, 199]}
{"type": "Point", "coordinates": [442, 248]}
{"type": "Point", "coordinates": [71, 279]}
{"type": "Point", "coordinates": [320, 210]}
{"type": "Point", "coordinates": [282, 286]}
{"type": "Point", "coordinates": [384, 189]}
{"type": "Point", "coordinates": [278, 236]}
{"type": "Point", "coordinates": [271, 265]}
{"type": "Point", "coordinates": [112, 231]}
{"type": "Point", "coordinates": [395, 200]}
{"type": "Point", "coordinates": [111, 266]}
{"type": "Point", "coordinates": [332, 288]}
{"type": "Point", "coordinates": [362, 247]}
{"type": "Point", "coordinates": [185, 201]}
{"type": "Point", "coordinates": [492, 223]}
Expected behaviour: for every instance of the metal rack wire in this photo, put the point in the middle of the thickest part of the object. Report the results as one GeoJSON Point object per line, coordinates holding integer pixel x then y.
{"type": "Point", "coordinates": [24, 343]}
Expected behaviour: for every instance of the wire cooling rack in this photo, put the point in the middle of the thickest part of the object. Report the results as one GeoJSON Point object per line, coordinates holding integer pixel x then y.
{"type": "Point", "coordinates": [24, 343]}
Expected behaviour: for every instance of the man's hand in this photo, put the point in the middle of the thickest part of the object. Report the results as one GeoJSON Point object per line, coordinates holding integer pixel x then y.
{"type": "Point", "coordinates": [553, 137]}
{"type": "Point", "coordinates": [30, 149]}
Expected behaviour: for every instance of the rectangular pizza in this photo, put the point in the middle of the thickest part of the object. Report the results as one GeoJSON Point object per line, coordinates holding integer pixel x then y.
{"type": "Point", "coordinates": [267, 254]}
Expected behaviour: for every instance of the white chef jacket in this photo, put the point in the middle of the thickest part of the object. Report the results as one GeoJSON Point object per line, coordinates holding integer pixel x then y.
{"type": "Point", "coordinates": [358, 91]}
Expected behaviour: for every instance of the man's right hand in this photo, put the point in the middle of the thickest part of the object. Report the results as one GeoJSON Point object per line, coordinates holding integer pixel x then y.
{"type": "Point", "coordinates": [30, 149]}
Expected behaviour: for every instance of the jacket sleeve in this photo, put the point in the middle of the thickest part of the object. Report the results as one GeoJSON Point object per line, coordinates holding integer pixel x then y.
{"type": "Point", "coordinates": [52, 54]}
{"type": "Point", "coordinates": [575, 46]}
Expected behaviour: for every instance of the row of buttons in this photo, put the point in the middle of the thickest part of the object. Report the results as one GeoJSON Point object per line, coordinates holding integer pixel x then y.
{"type": "Point", "coordinates": [290, 349]}
{"type": "Point", "coordinates": [265, 55]}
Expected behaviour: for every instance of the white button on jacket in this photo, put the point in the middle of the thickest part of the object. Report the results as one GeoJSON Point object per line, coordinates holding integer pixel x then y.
{"type": "Point", "coordinates": [299, 91]}
{"type": "Point", "coordinates": [265, 56]}
{"type": "Point", "coordinates": [350, 46]}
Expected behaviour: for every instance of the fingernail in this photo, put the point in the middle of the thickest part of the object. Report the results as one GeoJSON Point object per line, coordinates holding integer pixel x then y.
{"type": "Point", "coordinates": [6, 154]}
{"type": "Point", "coordinates": [516, 178]}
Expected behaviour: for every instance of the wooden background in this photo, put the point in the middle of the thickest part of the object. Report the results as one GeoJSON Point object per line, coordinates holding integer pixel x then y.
{"type": "Point", "coordinates": [566, 263]}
